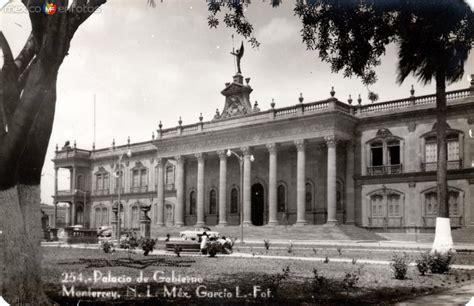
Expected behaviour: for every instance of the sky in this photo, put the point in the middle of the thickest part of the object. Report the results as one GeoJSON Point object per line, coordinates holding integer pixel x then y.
{"type": "Point", "coordinates": [145, 65]}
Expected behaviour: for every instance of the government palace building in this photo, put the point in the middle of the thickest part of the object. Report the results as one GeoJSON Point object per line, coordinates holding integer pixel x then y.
{"type": "Point", "coordinates": [324, 162]}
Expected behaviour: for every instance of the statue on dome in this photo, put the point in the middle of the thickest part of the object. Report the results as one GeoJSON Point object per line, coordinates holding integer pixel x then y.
{"type": "Point", "coordinates": [238, 56]}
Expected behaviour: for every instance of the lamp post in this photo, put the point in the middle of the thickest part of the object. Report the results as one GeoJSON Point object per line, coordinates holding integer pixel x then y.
{"type": "Point", "coordinates": [84, 208]}
{"type": "Point", "coordinates": [118, 174]}
{"type": "Point", "coordinates": [241, 164]}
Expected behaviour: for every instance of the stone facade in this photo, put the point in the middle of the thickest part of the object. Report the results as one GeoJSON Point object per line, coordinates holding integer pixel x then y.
{"type": "Point", "coordinates": [322, 162]}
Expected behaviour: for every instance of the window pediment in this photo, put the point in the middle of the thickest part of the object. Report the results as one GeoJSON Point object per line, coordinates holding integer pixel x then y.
{"type": "Point", "coordinates": [101, 170]}
{"type": "Point", "coordinates": [138, 166]}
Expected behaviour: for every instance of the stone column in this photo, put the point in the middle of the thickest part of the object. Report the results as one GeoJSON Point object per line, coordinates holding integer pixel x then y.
{"type": "Point", "coordinates": [200, 189]}
{"type": "Point", "coordinates": [73, 213]}
{"type": "Point", "coordinates": [331, 179]}
{"type": "Point", "coordinates": [73, 180]}
{"type": "Point", "coordinates": [272, 184]}
{"type": "Point", "coordinates": [55, 217]}
{"type": "Point", "coordinates": [247, 196]}
{"type": "Point", "coordinates": [222, 188]}
{"type": "Point", "coordinates": [179, 210]}
{"type": "Point", "coordinates": [56, 181]}
{"type": "Point", "coordinates": [300, 183]}
{"type": "Point", "coordinates": [161, 192]}
{"type": "Point", "coordinates": [68, 215]}
{"type": "Point", "coordinates": [350, 193]}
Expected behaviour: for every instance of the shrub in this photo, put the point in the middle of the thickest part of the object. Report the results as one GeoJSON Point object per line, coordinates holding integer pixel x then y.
{"type": "Point", "coordinates": [266, 244]}
{"type": "Point", "coordinates": [130, 242]}
{"type": "Point", "coordinates": [399, 266]}
{"type": "Point", "coordinates": [350, 280]}
{"type": "Point", "coordinates": [275, 281]}
{"type": "Point", "coordinates": [423, 263]}
{"type": "Point", "coordinates": [147, 245]}
{"type": "Point", "coordinates": [107, 246]}
{"type": "Point", "coordinates": [320, 284]}
{"type": "Point", "coordinates": [440, 263]}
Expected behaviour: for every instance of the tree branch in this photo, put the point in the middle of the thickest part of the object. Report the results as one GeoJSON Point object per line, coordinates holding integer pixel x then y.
{"type": "Point", "coordinates": [9, 75]}
{"type": "Point", "coordinates": [80, 11]}
{"type": "Point", "coordinates": [26, 55]}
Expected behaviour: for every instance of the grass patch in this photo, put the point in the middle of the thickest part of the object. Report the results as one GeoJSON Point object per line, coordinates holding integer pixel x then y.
{"type": "Point", "coordinates": [375, 283]}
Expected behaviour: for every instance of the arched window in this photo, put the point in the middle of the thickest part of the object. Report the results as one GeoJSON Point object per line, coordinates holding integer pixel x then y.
{"type": "Point", "coordinates": [234, 200]}
{"type": "Point", "coordinates": [376, 206]}
{"type": "Point", "coordinates": [431, 203]}
{"type": "Point", "coordinates": [386, 208]}
{"type": "Point", "coordinates": [281, 198]}
{"type": "Point", "coordinates": [98, 217]}
{"type": "Point", "coordinates": [102, 184]}
{"type": "Point", "coordinates": [105, 216]}
{"type": "Point", "coordinates": [135, 217]}
{"type": "Point", "coordinates": [393, 202]}
{"type": "Point", "coordinates": [309, 196]}
{"type": "Point", "coordinates": [79, 215]}
{"type": "Point", "coordinates": [212, 202]}
{"type": "Point", "coordinates": [101, 216]}
{"type": "Point", "coordinates": [192, 202]}
{"type": "Point", "coordinates": [169, 177]}
{"type": "Point", "coordinates": [80, 182]}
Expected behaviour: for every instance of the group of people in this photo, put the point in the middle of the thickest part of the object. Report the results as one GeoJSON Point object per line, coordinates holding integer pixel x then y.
{"type": "Point", "coordinates": [224, 244]}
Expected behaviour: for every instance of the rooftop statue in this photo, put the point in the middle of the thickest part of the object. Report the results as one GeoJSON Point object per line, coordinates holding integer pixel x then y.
{"type": "Point", "coordinates": [238, 55]}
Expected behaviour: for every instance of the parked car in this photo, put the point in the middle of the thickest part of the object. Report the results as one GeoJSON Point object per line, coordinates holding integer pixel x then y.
{"type": "Point", "coordinates": [104, 231]}
{"type": "Point", "coordinates": [197, 232]}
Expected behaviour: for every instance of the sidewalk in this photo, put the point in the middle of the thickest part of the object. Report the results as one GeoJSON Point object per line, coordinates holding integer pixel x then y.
{"type": "Point", "coordinates": [453, 296]}
{"type": "Point", "coordinates": [384, 244]}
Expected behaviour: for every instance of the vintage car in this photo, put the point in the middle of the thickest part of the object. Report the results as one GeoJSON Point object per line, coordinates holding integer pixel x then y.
{"type": "Point", "coordinates": [104, 231]}
{"type": "Point", "coordinates": [197, 232]}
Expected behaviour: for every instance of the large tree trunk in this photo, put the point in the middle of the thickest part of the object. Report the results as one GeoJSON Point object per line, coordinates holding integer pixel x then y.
{"type": "Point", "coordinates": [443, 241]}
{"type": "Point", "coordinates": [25, 128]}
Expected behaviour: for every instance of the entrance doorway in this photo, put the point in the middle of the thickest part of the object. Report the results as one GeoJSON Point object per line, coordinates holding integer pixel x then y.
{"type": "Point", "coordinates": [257, 204]}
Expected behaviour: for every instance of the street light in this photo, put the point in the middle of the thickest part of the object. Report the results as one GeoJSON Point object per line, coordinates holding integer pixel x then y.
{"type": "Point", "coordinates": [118, 174]}
{"type": "Point", "coordinates": [241, 164]}
{"type": "Point", "coordinates": [84, 208]}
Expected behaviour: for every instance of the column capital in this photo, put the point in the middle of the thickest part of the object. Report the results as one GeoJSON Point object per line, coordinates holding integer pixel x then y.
{"type": "Point", "coordinates": [200, 156]}
{"type": "Point", "coordinates": [300, 144]}
{"type": "Point", "coordinates": [222, 154]}
{"type": "Point", "coordinates": [245, 151]}
{"type": "Point", "coordinates": [160, 162]}
{"type": "Point", "coordinates": [179, 158]}
{"type": "Point", "coordinates": [331, 141]}
{"type": "Point", "coordinates": [272, 147]}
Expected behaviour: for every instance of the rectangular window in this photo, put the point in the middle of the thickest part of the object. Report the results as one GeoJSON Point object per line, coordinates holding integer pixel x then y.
{"type": "Point", "coordinates": [453, 149]}
{"type": "Point", "coordinates": [393, 205]}
{"type": "Point", "coordinates": [136, 178]}
{"type": "Point", "coordinates": [106, 182]}
{"type": "Point", "coordinates": [99, 182]}
{"type": "Point", "coordinates": [377, 155]}
{"type": "Point", "coordinates": [431, 151]}
{"type": "Point", "coordinates": [394, 153]}
{"type": "Point", "coordinates": [143, 179]}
